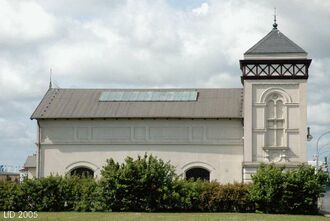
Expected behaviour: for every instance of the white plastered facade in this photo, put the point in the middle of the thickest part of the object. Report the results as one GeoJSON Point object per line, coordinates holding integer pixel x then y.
{"type": "Point", "coordinates": [213, 144]}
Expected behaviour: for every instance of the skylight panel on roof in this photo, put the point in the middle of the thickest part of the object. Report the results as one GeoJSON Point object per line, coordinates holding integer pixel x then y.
{"type": "Point", "coordinates": [148, 96]}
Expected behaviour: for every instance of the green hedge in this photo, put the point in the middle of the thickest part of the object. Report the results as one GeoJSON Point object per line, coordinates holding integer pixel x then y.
{"type": "Point", "coordinates": [150, 184]}
{"type": "Point", "coordinates": [71, 193]}
{"type": "Point", "coordinates": [9, 195]}
{"type": "Point", "coordinates": [52, 193]}
{"type": "Point", "coordinates": [226, 198]}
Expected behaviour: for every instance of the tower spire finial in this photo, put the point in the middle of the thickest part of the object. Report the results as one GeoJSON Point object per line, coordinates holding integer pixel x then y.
{"type": "Point", "coordinates": [50, 78]}
{"type": "Point", "coordinates": [275, 24]}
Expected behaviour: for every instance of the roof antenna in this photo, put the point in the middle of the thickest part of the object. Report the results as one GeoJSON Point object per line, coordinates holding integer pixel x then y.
{"type": "Point", "coordinates": [275, 24]}
{"type": "Point", "coordinates": [50, 78]}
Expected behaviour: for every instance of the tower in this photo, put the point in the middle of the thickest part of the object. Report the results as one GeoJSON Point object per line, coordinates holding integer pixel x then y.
{"type": "Point", "coordinates": [274, 75]}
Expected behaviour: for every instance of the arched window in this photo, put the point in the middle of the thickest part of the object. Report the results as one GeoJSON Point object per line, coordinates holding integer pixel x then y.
{"type": "Point", "coordinates": [275, 121]}
{"type": "Point", "coordinates": [198, 173]}
{"type": "Point", "coordinates": [82, 172]}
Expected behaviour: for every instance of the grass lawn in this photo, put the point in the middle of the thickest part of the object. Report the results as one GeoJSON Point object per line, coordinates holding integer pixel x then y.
{"type": "Point", "coordinates": [73, 216]}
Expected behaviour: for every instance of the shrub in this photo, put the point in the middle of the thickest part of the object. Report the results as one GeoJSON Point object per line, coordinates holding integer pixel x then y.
{"type": "Point", "coordinates": [88, 195]}
{"type": "Point", "coordinates": [302, 189]}
{"type": "Point", "coordinates": [42, 194]}
{"type": "Point", "coordinates": [9, 195]}
{"type": "Point", "coordinates": [149, 184]}
{"type": "Point", "coordinates": [186, 195]}
{"type": "Point", "coordinates": [267, 188]}
{"type": "Point", "coordinates": [143, 184]}
{"type": "Point", "coordinates": [53, 193]}
{"type": "Point", "coordinates": [201, 196]}
{"type": "Point", "coordinates": [295, 191]}
{"type": "Point", "coordinates": [69, 190]}
{"type": "Point", "coordinates": [226, 198]}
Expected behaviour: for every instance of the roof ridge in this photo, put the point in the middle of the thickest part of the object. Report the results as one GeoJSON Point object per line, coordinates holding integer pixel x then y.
{"type": "Point", "coordinates": [260, 41]}
{"type": "Point", "coordinates": [292, 42]}
{"type": "Point", "coordinates": [197, 88]}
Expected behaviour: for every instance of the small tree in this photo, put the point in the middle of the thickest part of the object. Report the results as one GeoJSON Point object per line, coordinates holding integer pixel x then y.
{"type": "Point", "coordinates": [142, 184]}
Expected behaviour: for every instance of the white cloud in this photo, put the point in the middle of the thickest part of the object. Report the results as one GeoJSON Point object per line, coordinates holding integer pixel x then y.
{"type": "Point", "coordinates": [24, 21]}
{"type": "Point", "coordinates": [10, 130]}
{"type": "Point", "coordinates": [221, 80]}
{"type": "Point", "coordinates": [19, 81]}
{"type": "Point", "coordinates": [202, 10]}
{"type": "Point", "coordinates": [319, 113]}
{"type": "Point", "coordinates": [152, 42]}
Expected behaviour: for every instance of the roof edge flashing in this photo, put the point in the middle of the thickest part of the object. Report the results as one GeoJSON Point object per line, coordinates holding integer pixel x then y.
{"type": "Point", "coordinates": [138, 117]}
{"type": "Point", "coordinates": [275, 56]}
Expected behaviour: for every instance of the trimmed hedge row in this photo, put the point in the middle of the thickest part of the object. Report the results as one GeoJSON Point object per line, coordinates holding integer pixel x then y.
{"type": "Point", "coordinates": [53, 193]}
{"type": "Point", "coordinates": [143, 184]}
{"type": "Point", "coordinates": [149, 184]}
{"type": "Point", "coordinates": [56, 193]}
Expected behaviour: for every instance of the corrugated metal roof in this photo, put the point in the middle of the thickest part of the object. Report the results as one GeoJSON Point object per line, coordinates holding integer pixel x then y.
{"type": "Point", "coordinates": [31, 161]}
{"type": "Point", "coordinates": [275, 42]}
{"type": "Point", "coordinates": [5, 173]}
{"type": "Point", "coordinates": [84, 103]}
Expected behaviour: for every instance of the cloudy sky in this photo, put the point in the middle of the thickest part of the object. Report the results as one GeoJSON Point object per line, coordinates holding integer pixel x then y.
{"type": "Point", "coordinates": [156, 43]}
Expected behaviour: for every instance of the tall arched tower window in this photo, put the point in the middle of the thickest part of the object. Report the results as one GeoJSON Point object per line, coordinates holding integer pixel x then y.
{"type": "Point", "coordinates": [275, 121]}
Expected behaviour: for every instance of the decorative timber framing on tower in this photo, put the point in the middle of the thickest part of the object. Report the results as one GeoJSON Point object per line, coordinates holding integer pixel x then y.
{"type": "Point", "coordinates": [275, 69]}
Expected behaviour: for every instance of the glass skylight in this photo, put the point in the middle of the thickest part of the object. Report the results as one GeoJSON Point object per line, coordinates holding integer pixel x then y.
{"type": "Point", "coordinates": [188, 95]}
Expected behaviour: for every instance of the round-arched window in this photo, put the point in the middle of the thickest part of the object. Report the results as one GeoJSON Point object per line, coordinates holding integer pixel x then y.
{"type": "Point", "coordinates": [198, 173]}
{"type": "Point", "coordinates": [275, 121]}
{"type": "Point", "coordinates": [82, 172]}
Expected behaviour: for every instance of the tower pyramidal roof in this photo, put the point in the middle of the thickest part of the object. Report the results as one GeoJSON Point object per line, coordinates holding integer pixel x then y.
{"type": "Point", "coordinates": [275, 43]}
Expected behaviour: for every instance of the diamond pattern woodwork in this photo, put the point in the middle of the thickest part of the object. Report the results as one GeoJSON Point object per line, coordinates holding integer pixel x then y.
{"type": "Point", "coordinates": [275, 69]}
